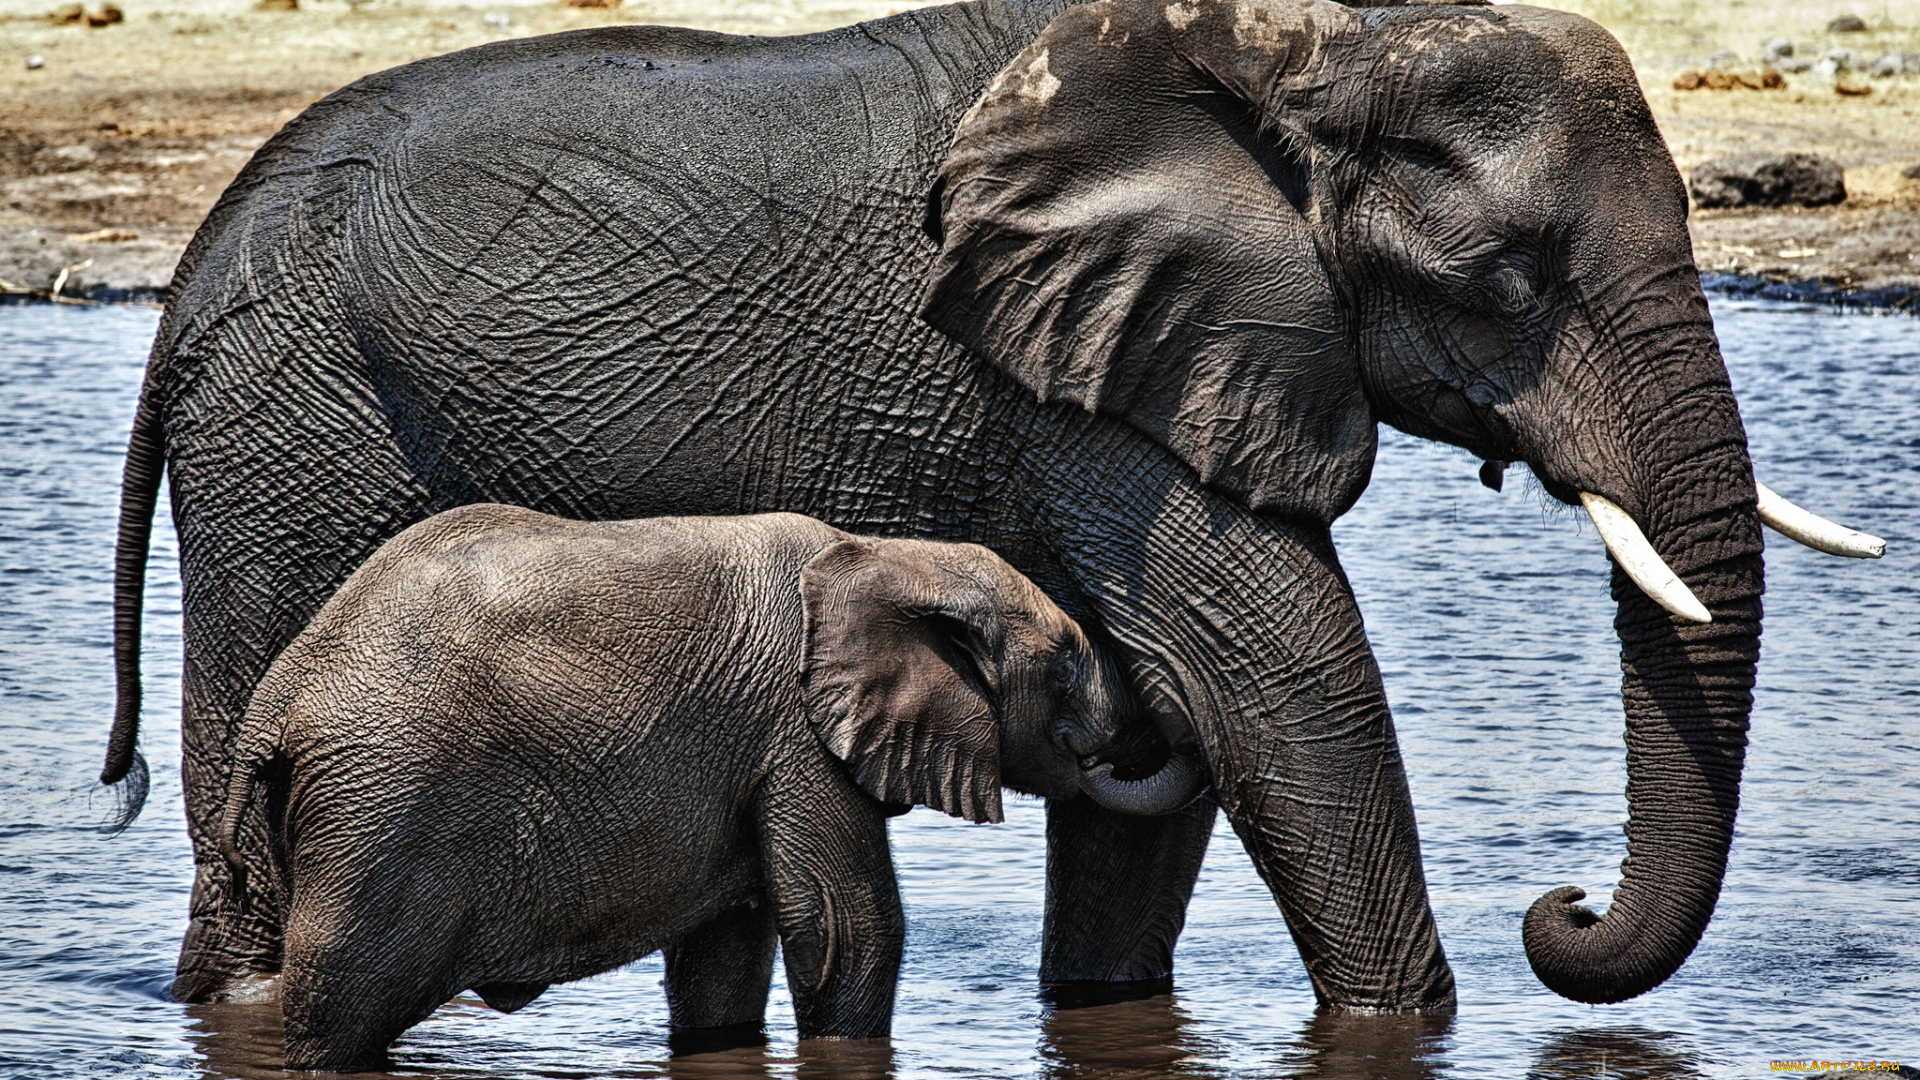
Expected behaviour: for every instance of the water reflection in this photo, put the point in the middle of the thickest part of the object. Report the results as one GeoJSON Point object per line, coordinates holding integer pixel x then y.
{"type": "Point", "coordinates": [858, 1059]}
{"type": "Point", "coordinates": [239, 1039]}
{"type": "Point", "coordinates": [1365, 1046]}
{"type": "Point", "coordinates": [736, 1063]}
{"type": "Point", "coordinates": [1083, 1036]}
{"type": "Point", "coordinates": [245, 1041]}
{"type": "Point", "coordinates": [1627, 1053]}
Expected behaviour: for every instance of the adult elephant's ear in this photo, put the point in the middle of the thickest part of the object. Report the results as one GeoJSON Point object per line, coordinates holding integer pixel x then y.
{"type": "Point", "coordinates": [1125, 225]}
{"type": "Point", "coordinates": [900, 672]}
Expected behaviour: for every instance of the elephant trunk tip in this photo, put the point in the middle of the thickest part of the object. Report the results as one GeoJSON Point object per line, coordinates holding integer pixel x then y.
{"type": "Point", "coordinates": [1579, 962]}
{"type": "Point", "coordinates": [1177, 783]}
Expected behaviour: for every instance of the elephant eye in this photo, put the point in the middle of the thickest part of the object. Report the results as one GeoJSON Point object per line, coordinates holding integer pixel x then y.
{"type": "Point", "coordinates": [1514, 292]}
{"type": "Point", "coordinates": [1066, 677]}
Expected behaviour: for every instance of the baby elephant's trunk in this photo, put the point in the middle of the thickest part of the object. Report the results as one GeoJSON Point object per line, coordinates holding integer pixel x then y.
{"type": "Point", "coordinates": [1175, 785]}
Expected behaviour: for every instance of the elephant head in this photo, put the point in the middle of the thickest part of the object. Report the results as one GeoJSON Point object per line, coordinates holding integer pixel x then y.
{"type": "Point", "coordinates": [938, 673]}
{"type": "Point", "coordinates": [1253, 228]}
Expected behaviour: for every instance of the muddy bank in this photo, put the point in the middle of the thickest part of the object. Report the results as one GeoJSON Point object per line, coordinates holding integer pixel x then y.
{"type": "Point", "coordinates": [115, 145]}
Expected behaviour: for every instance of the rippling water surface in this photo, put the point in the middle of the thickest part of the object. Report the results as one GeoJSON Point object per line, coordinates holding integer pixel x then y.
{"type": "Point", "coordinates": [1490, 616]}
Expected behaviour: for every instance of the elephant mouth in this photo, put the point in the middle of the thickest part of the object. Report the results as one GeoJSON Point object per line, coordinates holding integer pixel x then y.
{"type": "Point", "coordinates": [1175, 784]}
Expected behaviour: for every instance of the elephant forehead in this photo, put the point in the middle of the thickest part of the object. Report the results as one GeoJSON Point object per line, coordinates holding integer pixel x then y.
{"type": "Point", "coordinates": [1482, 51]}
{"type": "Point", "coordinates": [1521, 98]}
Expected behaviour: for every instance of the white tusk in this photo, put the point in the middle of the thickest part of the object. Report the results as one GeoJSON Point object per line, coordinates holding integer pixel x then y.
{"type": "Point", "coordinates": [1813, 530]}
{"type": "Point", "coordinates": [1643, 564]}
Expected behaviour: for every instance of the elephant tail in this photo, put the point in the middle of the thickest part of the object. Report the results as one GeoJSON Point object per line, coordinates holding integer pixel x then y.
{"type": "Point", "coordinates": [139, 490]}
{"type": "Point", "coordinates": [251, 759]}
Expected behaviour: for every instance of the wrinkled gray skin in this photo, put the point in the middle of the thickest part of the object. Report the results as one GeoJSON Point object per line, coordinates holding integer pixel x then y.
{"type": "Point", "coordinates": [515, 750]}
{"type": "Point", "coordinates": [634, 271]}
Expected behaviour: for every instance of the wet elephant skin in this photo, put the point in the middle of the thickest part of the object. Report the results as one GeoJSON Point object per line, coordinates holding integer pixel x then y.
{"type": "Point", "coordinates": [1181, 259]}
{"type": "Point", "coordinates": [516, 750]}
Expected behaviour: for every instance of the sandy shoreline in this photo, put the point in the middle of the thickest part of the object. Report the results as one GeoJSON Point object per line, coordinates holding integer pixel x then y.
{"type": "Point", "coordinates": [114, 147]}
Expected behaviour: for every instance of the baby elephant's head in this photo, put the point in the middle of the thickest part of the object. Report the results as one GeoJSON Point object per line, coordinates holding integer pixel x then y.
{"type": "Point", "coordinates": [938, 673]}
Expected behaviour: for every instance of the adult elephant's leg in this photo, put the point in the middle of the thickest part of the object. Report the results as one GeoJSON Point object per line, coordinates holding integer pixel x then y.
{"type": "Point", "coordinates": [285, 476]}
{"type": "Point", "coordinates": [1242, 631]}
{"type": "Point", "coordinates": [1117, 891]}
{"type": "Point", "coordinates": [718, 978]}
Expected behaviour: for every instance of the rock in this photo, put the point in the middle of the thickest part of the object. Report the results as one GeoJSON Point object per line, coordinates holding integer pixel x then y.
{"type": "Point", "coordinates": [1845, 59]}
{"type": "Point", "coordinates": [277, 5]}
{"type": "Point", "coordinates": [1715, 79]}
{"type": "Point", "coordinates": [1794, 64]}
{"type": "Point", "coordinates": [593, 3]}
{"type": "Point", "coordinates": [1847, 24]}
{"type": "Point", "coordinates": [106, 16]}
{"type": "Point", "coordinates": [1703, 80]}
{"type": "Point", "coordinates": [1849, 90]}
{"type": "Point", "coordinates": [1724, 60]}
{"type": "Point", "coordinates": [498, 18]}
{"type": "Point", "coordinates": [1895, 63]}
{"type": "Point", "coordinates": [67, 13]}
{"type": "Point", "coordinates": [36, 62]}
{"type": "Point", "coordinates": [1774, 49]}
{"type": "Point", "coordinates": [1768, 180]}
{"type": "Point", "coordinates": [1911, 172]}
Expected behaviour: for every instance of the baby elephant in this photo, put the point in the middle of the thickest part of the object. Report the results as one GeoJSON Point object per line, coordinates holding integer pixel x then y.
{"type": "Point", "coordinates": [515, 750]}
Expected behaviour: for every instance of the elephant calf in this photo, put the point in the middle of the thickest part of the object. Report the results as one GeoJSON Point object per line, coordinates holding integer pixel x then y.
{"type": "Point", "coordinates": [515, 750]}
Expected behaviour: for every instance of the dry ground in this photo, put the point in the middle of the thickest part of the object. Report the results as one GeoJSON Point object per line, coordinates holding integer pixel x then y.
{"type": "Point", "coordinates": [1873, 239]}
{"type": "Point", "coordinates": [114, 147]}
{"type": "Point", "coordinates": [134, 128]}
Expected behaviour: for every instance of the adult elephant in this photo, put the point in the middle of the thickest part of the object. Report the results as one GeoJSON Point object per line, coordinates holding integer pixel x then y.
{"type": "Point", "coordinates": [637, 271]}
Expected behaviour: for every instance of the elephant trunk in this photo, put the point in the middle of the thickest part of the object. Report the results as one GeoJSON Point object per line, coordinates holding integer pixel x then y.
{"type": "Point", "coordinates": [1687, 689]}
{"type": "Point", "coordinates": [1173, 786]}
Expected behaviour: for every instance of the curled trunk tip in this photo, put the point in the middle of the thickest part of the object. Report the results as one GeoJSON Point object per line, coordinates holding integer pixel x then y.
{"type": "Point", "coordinates": [1176, 784]}
{"type": "Point", "coordinates": [1577, 953]}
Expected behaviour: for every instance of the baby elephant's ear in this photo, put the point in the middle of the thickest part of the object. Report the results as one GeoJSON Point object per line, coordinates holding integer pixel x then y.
{"type": "Point", "coordinates": [900, 674]}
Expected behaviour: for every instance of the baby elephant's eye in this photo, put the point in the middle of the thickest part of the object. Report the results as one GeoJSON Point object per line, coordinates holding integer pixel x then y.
{"type": "Point", "coordinates": [1067, 682]}
{"type": "Point", "coordinates": [1062, 667]}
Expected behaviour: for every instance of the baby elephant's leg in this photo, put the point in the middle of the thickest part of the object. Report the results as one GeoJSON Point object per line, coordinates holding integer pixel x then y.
{"type": "Point", "coordinates": [717, 981]}
{"type": "Point", "coordinates": [836, 903]}
{"type": "Point", "coordinates": [345, 998]}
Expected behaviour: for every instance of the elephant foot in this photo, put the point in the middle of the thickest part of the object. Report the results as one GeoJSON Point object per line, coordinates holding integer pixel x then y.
{"type": "Point", "coordinates": [714, 1040]}
{"type": "Point", "coordinates": [200, 984]}
{"type": "Point", "coordinates": [1084, 994]}
{"type": "Point", "coordinates": [203, 974]}
{"type": "Point", "coordinates": [225, 959]}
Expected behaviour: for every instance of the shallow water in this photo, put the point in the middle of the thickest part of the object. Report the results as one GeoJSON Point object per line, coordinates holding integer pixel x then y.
{"type": "Point", "coordinates": [1490, 616]}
